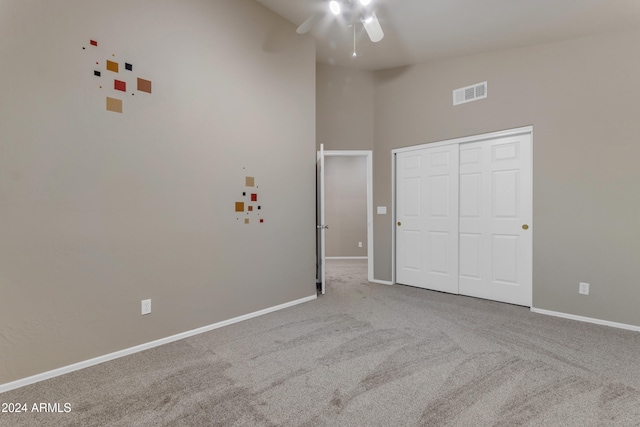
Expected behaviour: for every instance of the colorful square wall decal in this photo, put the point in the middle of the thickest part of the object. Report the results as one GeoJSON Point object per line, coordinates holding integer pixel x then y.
{"type": "Point", "coordinates": [254, 197]}
{"type": "Point", "coordinates": [246, 220]}
{"type": "Point", "coordinates": [112, 66]}
{"type": "Point", "coordinates": [239, 206]}
{"type": "Point", "coordinates": [125, 82]}
{"type": "Point", "coordinates": [119, 85]}
{"type": "Point", "coordinates": [261, 220]}
{"type": "Point", "coordinates": [250, 208]}
{"type": "Point", "coordinates": [144, 85]}
{"type": "Point", "coordinates": [250, 181]}
{"type": "Point", "coordinates": [114, 105]}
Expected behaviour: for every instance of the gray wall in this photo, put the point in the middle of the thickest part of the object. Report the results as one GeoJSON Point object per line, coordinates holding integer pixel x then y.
{"type": "Point", "coordinates": [344, 106]}
{"type": "Point", "coordinates": [581, 96]}
{"type": "Point", "coordinates": [346, 206]}
{"type": "Point", "coordinates": [99, 210]}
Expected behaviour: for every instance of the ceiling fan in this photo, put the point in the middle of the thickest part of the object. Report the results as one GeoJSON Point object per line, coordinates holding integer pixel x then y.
{"type": "Point", "coordinates": [350, 11]}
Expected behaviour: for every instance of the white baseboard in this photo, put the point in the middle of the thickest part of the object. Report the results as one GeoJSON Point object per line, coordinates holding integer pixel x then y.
{"type": "Point", "coordinates": [116, 355]}
{"type": "Point", "coordinates": [346, 257]}
{"type": "Point", "coordinates": [586, 319]}
{"type": "Point", "coordinates": [382, 282]}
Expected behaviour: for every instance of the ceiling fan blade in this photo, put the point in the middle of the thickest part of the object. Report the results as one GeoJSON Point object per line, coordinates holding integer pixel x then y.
{"type": "Point", "coordinates": [307, 25]}
{"type": "Point", "coordinates": [373, 28]}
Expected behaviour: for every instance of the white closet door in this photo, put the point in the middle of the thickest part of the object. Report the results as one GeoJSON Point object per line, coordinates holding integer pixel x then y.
{"type": "Point", "coordinates": [495, 246]}
{"type": "Point", "coordinates": [427, 218]}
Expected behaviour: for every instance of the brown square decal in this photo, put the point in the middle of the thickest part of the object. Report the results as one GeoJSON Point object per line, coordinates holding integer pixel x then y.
{"type": "Point", "coordinates": [239, 206]}
{"type": "Point", "coordinates": [144, 85]}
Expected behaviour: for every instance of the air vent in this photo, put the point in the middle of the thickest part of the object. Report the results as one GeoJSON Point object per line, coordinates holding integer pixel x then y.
{"type": "Point", "coordinates": [470, 93]}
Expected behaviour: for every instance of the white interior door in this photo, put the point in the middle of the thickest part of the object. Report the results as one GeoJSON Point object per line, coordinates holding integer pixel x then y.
{"type": "Point", "coordinates": [320, 224]}
{"type": "Point", "coordinates": [495, 219]}
{"type": "Point", "coordinates": [427, 218]}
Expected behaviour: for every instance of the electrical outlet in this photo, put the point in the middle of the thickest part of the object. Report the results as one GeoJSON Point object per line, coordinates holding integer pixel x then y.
{"type": "Point", "coordinates": [583, 288]}
{"type": "Point", "coordinates": [359, 244]}
{"type": "Point", "coordinates": [146, 306]}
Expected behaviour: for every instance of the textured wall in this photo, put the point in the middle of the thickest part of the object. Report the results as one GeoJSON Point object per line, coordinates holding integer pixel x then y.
{"type": "Point", "coordinates": [581, 98]}
{"type": "Point", "coordinates": [99, 210]}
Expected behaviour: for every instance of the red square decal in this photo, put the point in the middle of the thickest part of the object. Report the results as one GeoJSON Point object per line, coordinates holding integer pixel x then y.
{"type": "Point", "coordinates": [261, 220]}
{"type": "Point", "coordinates": [94, 43]}
{"type": "Point", "coordinates": [254, 197]}
{"type": "Point", "coordinates": [119, 85]}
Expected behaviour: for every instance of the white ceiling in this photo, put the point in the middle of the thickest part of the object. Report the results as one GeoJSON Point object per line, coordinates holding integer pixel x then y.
{"type": "Point", "coordinates": [418, 31]}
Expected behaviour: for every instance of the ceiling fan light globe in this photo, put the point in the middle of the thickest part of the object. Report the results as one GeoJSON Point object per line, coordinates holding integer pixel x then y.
{"type": "Point", "coordinates": [365, 2]}
{"type": "Point", "coordinates": [335, 7]}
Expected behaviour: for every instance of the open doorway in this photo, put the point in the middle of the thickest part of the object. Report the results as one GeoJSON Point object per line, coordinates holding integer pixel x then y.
{"type": "Point", "coordinates": [348, 204]}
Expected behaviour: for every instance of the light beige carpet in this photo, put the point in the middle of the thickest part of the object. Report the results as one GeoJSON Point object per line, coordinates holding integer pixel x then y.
{"type": "Point", "coordinates": [363, 355]}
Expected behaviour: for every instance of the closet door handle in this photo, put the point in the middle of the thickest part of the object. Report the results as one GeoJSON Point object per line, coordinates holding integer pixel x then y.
{"type": "Point", "coordinates": [525, 227]}
{"type": "Point", "coordinates": [399, 223]}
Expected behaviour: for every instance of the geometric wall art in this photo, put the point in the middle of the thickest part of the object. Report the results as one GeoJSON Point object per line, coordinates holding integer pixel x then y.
{"type": "Point", "coordinates": [120, 85]}
{"type": "Point", "coordinates": [249, 205]}
{"type": "Point", "coordinates": [113, 77]}
{"type": "Point", "coordinates": [144, 85]}
{"type": "Point", "coordinates": [114, 105]}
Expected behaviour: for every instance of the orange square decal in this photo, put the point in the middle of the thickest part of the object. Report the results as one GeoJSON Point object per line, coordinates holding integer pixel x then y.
{"type": "Point", "coordinates": [112, 66]}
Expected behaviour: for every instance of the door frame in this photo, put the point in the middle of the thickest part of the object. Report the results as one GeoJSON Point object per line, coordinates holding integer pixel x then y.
{"type": "Point", "coordinates": [456, 141]}
{"type": "Point", "coordinates": [368, 154]}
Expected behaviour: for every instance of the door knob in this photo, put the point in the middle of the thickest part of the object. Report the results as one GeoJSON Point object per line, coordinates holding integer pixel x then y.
{"type": "Point", "coordinates": [399, 223]}
{"type": "Point", "coordinates": [525, 227]}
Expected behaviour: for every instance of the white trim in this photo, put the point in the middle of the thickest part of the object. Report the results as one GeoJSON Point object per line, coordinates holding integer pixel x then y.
{"type": "Point", "coordinates": [586, 319]}
{"type": "Point", "coordinates": [393, 216]}
{"type": "Point", "coordinates": [346, 257]}
{"type": "Point", "coordinates": [369, 158]}
{"type": "Point", "coordinates": [126, 352]}
{"type": "Point", "coordinates": [382, 282]}
{"type": "Point", "coordinates": [370, 214]}
{"type": "Point", "coordinates": [472, 138]}
{"type": "Point", "coordinates": [345, 153]}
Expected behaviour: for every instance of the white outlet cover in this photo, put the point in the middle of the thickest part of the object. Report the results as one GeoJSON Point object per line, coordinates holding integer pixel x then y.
{"type": "Point", "coordinates": [145, 306]}
{"type": "Point", "coordinates": [382, 210]}
{"type": "Point", "coordinates": [583, 288]}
